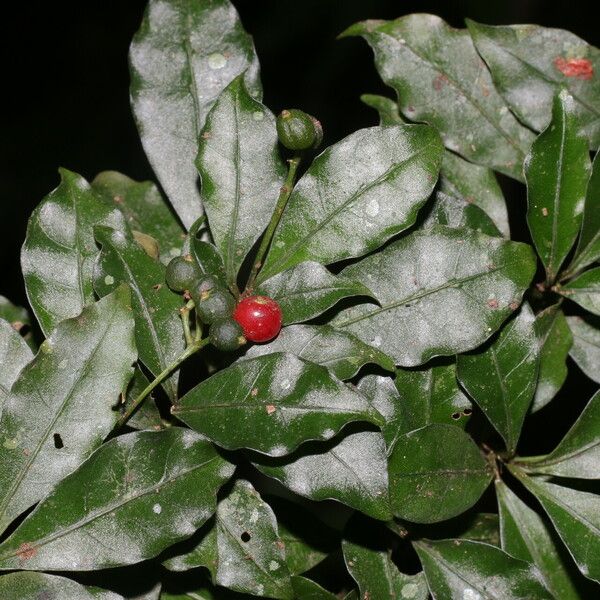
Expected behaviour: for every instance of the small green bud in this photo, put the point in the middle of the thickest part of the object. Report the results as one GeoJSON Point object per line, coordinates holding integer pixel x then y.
{"type": "Point", "coordinates": [298, 130]}
{"type": "Point", "coordinates": [182, 274]}
{"type": "Point", "coordinates": [226, 334]}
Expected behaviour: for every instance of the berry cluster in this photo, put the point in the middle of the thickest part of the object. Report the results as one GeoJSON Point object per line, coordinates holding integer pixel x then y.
{"type": "Point", "coordinates": [255, 318]}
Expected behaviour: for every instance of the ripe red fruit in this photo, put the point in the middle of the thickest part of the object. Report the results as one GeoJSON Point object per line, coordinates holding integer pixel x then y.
{"type": "Point", "coordinates": [260, 318]}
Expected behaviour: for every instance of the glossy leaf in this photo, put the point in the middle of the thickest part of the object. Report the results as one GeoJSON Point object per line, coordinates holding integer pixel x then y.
{"type": "Point", "coordinates": [144, 209]}
{"type": "Point", "coordinates": [378, 577]}
{"type": "Point", "coordinates": [440, 80]}
{"type": "Point", "coordinates": [555, 341]}
{"type": "Point", "coordinates": [502, 378]}
{"type": "Point", "coordinates": [441, 292]}
{"type": "Point", "coordinates": [576, 517]}
{"type": "Point", "coordinates": [476, 185]}
{"type": "Point", "coordinates": [456, 212]}
{"type": "Point", "coordinates": [242, 549]}
{"type": "Point", "coordinates": [383, 396]}
{"type": "Point", "coordinates": [586, 347]}
{"type": "Point", "coordinates": [342, 353]}
{"type": "Point", "coordinates": [241, 172]}
{"type": "Point", "coordinates": [585, 290]}
{"type": "Point", "coordinates": [472, 570]}
{"type": "Point", "coordinates": [351, 470]}
{"type": "Point", "coordinates": [557, 171]}
{"type": "Point", "coordinates": [272, 404]}
{"type": "Point", "coordinates": [62, 405]}
{"type": "Point", "coordinates": [478, 527]}
{"type": "Point", "coordinates": [182, 57]}
{"type": "Point", "coordinates": [157, 488]}
{"type": "Point", "coordinates": [356, 195]}
{"type": "Point", "coordinates": [436, 473]}
{"type": "Point", "coordinates": [59, 251]}
{"type": "Point", "coordinates": [308, 290]}
{"type": "Point", "coordinates": [431, 395]}
{"type": "Point", "coordinates": [41, 586]}
{"type": "Point", "coordinates": [526, 536]}
{"type": "Point", "coordinates": [14, 355]}
{"type": "Point", "coordinates": [158, 330]}
{"type": "Point", "coordinates": [389, 114]}
{"type": "Point", "coordinates": [306, 589]}
{"type": "Point", "coordinates": [530, 63]}
{"type": "Point", "coordinates": [588, 248]}
{"type": "Point", "coordinates": [578, 454]}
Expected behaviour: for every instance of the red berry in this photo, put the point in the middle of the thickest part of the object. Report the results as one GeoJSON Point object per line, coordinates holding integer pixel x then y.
{"type": "Point", "coordinates": [260, 318]}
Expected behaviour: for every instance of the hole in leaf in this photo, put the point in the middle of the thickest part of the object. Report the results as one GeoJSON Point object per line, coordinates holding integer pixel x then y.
{"type": "Point", "coordinates": [245, 537]}
{"type": "Point", "coordinates": [455, 416]}
{"type": "Point", "coordinates": [58, 443]}
{"type": "Point", "coordinates": [467, 412]}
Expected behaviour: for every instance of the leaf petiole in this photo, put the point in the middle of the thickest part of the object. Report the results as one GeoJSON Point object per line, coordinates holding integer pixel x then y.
{"type": "Point", "coordinates": [189, 351]}
{"type": "Point", "coordinates": [282, 201]}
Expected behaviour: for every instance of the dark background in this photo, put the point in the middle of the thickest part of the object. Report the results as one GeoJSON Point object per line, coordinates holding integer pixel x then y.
{"type": "Point", "coordinates": [65, 82]}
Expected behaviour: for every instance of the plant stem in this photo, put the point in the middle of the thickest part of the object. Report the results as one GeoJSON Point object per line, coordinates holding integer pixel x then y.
{"type": "Point", "coordinates": [284, 196]}
{"type": "Point", "coordinates": [185, 318]}
{"type": "Point", "coordinates": [191, 349]}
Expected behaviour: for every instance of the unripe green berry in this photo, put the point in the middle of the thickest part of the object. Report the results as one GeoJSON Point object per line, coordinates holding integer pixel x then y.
{"type": "Point", "coordinates": [182, 274]}
{"type": "Point", "coordinates": [214, 305]}
{"type": "Point", "coordinates": [298, 130]}
{"type": "Point", "coordinates": [206, 283]}
{"type": "Point", "coordinates": [226, 334]}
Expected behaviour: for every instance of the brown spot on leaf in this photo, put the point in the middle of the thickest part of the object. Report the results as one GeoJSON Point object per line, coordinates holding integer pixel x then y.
{"type": "Point", "coordinates": [26, 551]}
{"type": "Point", "coordinates": [118, 199]}
{"type": "Point", "coordinates": [439, 82]}
{"type": "Point", "coordinates": [545, 211]}
{"type": "Point", "coordinates": [513, 305]}
{"type": "Point", "coordinates": [485, 90]}
{"type": "Point", "coordinates": [580, 68]}
{"type": "Point", "coordinates": [157, 286]}
{"type": "Point", "coordinates": [17, 325]}
{"type": "Point", "coordinates": [492, 303]}
{"type": "Point", "coordinates": [270, 409]}
{"type": "Point", "coordinates": [206, 135]}
{"type": "Point", "coordinates": [254, 392]}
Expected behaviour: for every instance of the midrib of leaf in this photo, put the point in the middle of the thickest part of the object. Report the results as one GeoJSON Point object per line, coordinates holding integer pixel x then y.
{"type": "Point", "coordinates": [418, 296]}
{"type": "Point", "coordinates": [569, 455]}
{"type": "Point", "coordinates": [90, 518]}
{"type": "Point", "coordinates": [342, 207]}
{"type": "Point", "coordinates": [33, 455]}
{"type": "Point", "coordinates": [586, 341]}
{"type": "Point", "coordinates": [282, 407]}
{"type": "Point", "coordinates": [482, 471]}
{"type": "Point", "coordinates": [389, 575]}
{"type": "Point", "coordinates": [557, 194]}
{"type": "Point", "coordinates": [355, 476]}
{"type": "Point", "coordinates": [458, 87]}
{"type": "Point", "coordinates": [330, 288]}
{"type": "Point", "coordinates": [236, 204]}
{"type": "Point", "coordinates": [546, 77]}
{"type": "Point", "coordinates": [193, 85]}
{"type": "Point", "coordinates": [504, 392]}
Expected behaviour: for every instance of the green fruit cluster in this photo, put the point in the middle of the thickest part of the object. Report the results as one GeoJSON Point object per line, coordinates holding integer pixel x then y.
{"type": "Point", "coordinates": [213, 302]}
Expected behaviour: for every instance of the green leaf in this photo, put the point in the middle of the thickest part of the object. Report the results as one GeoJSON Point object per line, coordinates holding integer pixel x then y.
{"type": "Point", "coordinates": [478, 527]}
{"type": "Point", "coordinates": [183, 56]}
{"type": "Point", "coordinates": [14, 355]}
{"type": "Point", "coordinates": [557, 171]}
{"type": "Point", "coordinates": [378, 577]}
{"type": "Point", "coordinates": [351, 470]}
{"type": "Point", "coordinates": [158, 329]}
{"type": "Point", "coordinates": [555, 341]}
{"type": "Point", "coordinates": [588, 248]}
{"type": "Point", "coordinates": [474, 571]}
{"type": "Point", "coordinates": [441, 292]}
{"type": "Point", "coordinates": [306, 589]}
{"type": "Point", "coordinates": [389, 113]}
{"type": "Point", "coordinates": [436, 473]}
{"type": "Point", "coordinates": [457, 212]}
{"type": "Point", "coordinates": [61, 406]}
{"type": "Point", "coordinates": [242, 549]}
{"type": "Point", "coordinates": [241, 172]}
{"type": "Point", "coordinates": [41, 586]}
{"type": "Point", "coordinates": [340, 352]}
{"type": "Point", "coordinates": [578, 454]}
{"type": "Point", "coordinates": [308, 290]}
{"type": "Point", "coordinates": [440, 80]}
{"type": "Point", "coordinates": [576, 517]}
{"type": "Point", "coordinates": [156, 488]}
{"type": "Point", "coordinates": [356, 195]}
{"type": "Point", "coordinates": [476, 185]}
{"type": "Point", "coordinates": [585, 290]}
{"type": "Point", "coordinates": [431, 395]}
{"type": "Point", "coordinates": [530, 63]}
{"type": "Point", "coordinates": [502, 378]}
{"type": "Point", "coordinates": [384, 398]}
{"type": "Point", "coordinates": [144, 209]}
{"type": "Point", "coordinates": [272, 404]}
{"type": "Point", "coordinates": [59, 251]}
{"type": "Point", "coordinates": [526, 536]}
{"type": "Point", "coordinates": [586, 347]}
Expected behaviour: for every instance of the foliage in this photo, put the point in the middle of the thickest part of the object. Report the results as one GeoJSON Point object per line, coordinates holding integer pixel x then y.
{"type": "Point", "coordinates": [354, 453]}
